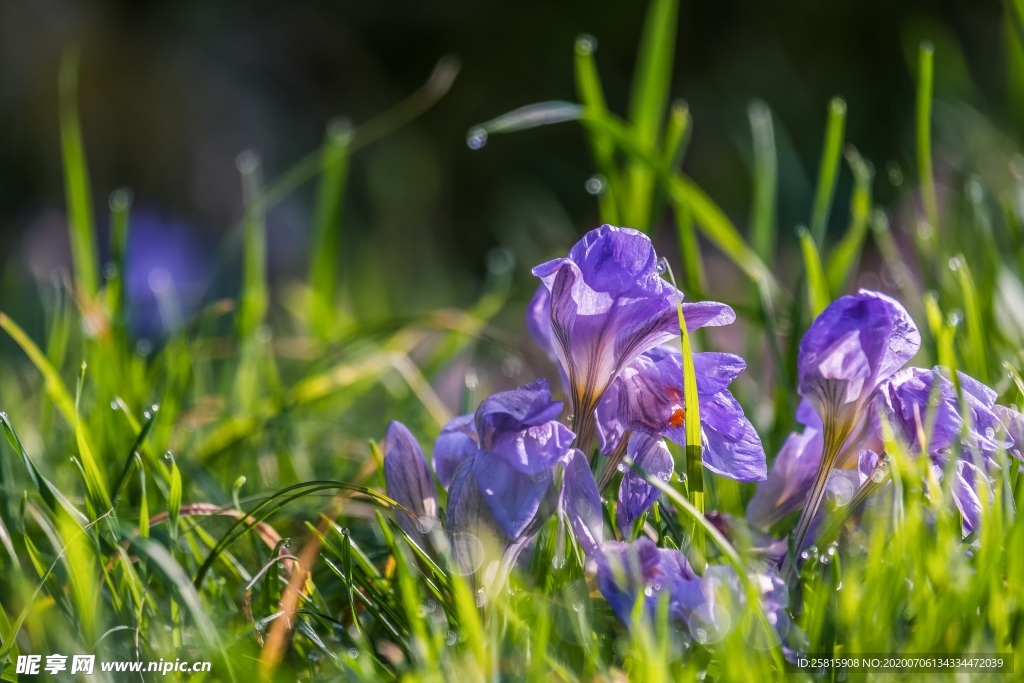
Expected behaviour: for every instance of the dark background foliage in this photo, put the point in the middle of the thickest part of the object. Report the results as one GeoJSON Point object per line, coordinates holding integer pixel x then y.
{"type": "Point", "coordinates": [171, 92]}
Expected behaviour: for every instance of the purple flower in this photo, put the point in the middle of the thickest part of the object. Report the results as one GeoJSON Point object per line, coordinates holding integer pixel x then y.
{"type": "Point", "coordinates": [456, 443]}
{"type": "Point", "coordinates": [1013, 423]}
{"type": "Point", "coordinates": [648, 397]}
{"type": "Point", "coordinates": [608, 304]}
{"type": "Point", "coordinates": [636, 494]}
{"type": "Point", "coordinates": [580, 503]}
{"type": "Point", "coordinates": [626, 571]}
{"type": "Point", "coordinates": [851, 348]}
{"type": "Point", "coordinates": [408, 480]}
{"type": "Point", "coordinates": [928, 416]}
{"type": "Point", "coordinates": [520, 443]}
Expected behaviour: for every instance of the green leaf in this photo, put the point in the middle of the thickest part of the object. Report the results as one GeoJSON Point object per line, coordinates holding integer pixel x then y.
{"type": "Point", "coordinates": [76, 180]}
{"type": "Point", "coordinates": [828, 171]}
{"type": "Point", "coordinates": [323, 275]}
{"type": "Point", "coordinates": [817, 288]}
{"type": "Point", "coordinates": [846, 254]}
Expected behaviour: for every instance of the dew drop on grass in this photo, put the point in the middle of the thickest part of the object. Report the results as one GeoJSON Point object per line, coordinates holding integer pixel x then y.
{"type": "Point", "coordinates": [477, 138]}
{"type": "Point", "coordinates": [954, 263]}
{"type": "Point", "coordinates": [990, 433]}
{"type": "Point", "coordinates": [586, 44]}
{"type": "Point", "coordinates": [247, 162]}
{"type": "Point", "coordinates": [577, 606]}
{"type": "Point", "coordinates": [481, 597]}
{"type": "Point", "coordinates": [621, 467]}
{"type": "Point", "coordinates": [110, 270]}
{"type": "Point", "coordinates": [313, 656]}
{"type": "Point", "coordinates": [353, 653]}
{"type": "Point", "coordinates": [450, 638]}
{"type": "Point", "coordinates": [114, 406]}
{"type": "Point", "coordinates": [804, 555]}
{"type": "Point", "coordinates": [595, 185]}
{"type": "Point", "coordinates": [662, 265]}
{"type": "Point", "coordinates": [955, 317]}
{"type": "Point", "coordinates": [648, 591]}
{"type": "Point", "coordinates": [557, 562]}
{"type": "Point", "coordinates": [168, 456]}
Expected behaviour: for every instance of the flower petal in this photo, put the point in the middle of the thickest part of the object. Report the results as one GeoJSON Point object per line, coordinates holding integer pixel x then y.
{"type": "Point", "coordinates": [408, 479]}
{"type": "Point", "coordinates": [581, 503]}
{"type": "Point", "coordinates": [456, 443]}
{"type": "Point", "coordinates": [512, 496]}
{"type": "Point", "coordinates": [636, 494]}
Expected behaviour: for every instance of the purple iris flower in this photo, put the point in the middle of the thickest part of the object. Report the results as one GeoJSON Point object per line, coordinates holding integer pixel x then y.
{"type": "Point", "coordinates": [851, 348]}
{"type": "Point", "coordinates": [648, 397]}
{"type": "Point", "coordinates": [456, 443]}
{"type": "Point", "coordinates": [928, 416]}
{"type": "Point", "coordinates": [607, 305]}
{"type": "Point", "coordinates": [519, 442]}
{"type": "Point", "coordinates": [1013, 423]}
{"type": "Point", "coordinates": [408, 480]}
{"type": "Point", "coordinates": [789, 479]}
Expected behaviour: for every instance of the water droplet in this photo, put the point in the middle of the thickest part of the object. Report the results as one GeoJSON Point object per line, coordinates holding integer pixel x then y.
{"type": "Point", "coordinates": [824, 559]}
{"type": "Point", "coordinates": [168, 456]}
{"type": "Point", "coordinates": [975, 192]}
{"type": "Point", "coordinates": [955, 317]}
{"type": "Point", "coordinates": [450, 638]}
{"type": "Point", "coordinates": [477, 138]}
{"type": "Point", "coordinates": [143, 347]}
{"type": "Point", "coordinates": [570, 418]}
{"type": "Point", "coordinates": [990, 433]}
{"type": "Point", "coordinates": [481, 597]}
{"type": "Point", "coordinates": [621, 467]}
{"type": "Point", "coordinates": [120, 199]}
{"type": "Point", "coordinates": [511, 367]}
{"type": "Point", "coordinates": [287, 543]}
{"type": "Point", "coordinates": [346, 531]}
{"type": "Point", "coordinates": [340, 128]}
{"type": "Point", "coordinates": [260, 626]}
{"type": "Point", "coordinates": [313, 656]}
{"type": "Point", "coordinates": [804, 555]}
{"type": "Point", "coordinates": [831, 550]}
{"type": "Point", "coordinates": [110, 271]}
{"type": "Point", "coordinates": [577, 606]}
{"type": "Point", "coordinates": [155, 407]}
{"type": "Point", "coordinates": [648, 591]}
{"type": "Point", "coordinates": [662, 265]}
{"type": "Point", "coordinates": [353, 653]}
{"type": "Point", "coordinates": [895, 174]}
{"type": "Point", "coordinates": [114, 406]}
{"type": "Point", "coordinates": [557, 561]}
{"type": "Point", "coordinates": [812, 549]}
{"type": "Point", "coordinates": [954, 263]}
{"type": "Point", "coordinates": [924, 231]}
{"type": "Point", "coordinates": [472, 379]}
{"type": "Point", "coordinates": [595, 185]}
{"type": "Point", "coordinates": [586, 44]}
{"type": "Point", "coordinates": [148, 415]}
{"type": "Point", "coordinates": [247, 162]}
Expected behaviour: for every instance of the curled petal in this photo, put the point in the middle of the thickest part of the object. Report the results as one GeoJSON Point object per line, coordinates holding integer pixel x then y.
{"type": "Point", "coordinates": [636, 494]}
{"type": "Point", "coordinates": [853, 346]}
{"type": "Point", "coordinates": [732, 447]}
{"type": "Point", "coordinates": [456, 443]}
{"type": "Point", "coordinates": [408, 479]}
{"type": "Point", "coordinates": [1013, 425]}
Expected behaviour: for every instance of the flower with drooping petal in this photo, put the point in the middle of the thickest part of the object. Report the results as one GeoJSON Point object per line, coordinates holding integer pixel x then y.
{"type": "Point", "coordinates": [636, 494]}
{"type": "Point", "coordinates": [928, 416]}
{"type": "Point", "coordinates": [408, 480]}
{"type": "Point", "coordinates": [1013, 423]}
{"type": "Point", "coordinates": [607, 305]}
{"type": "Point", "coordinates": [648, 397]}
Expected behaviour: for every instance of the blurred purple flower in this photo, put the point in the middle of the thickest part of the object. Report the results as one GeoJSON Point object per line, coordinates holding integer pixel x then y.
{"type": "Point", "coordinates": [408, 480]}
{"type": "Point", "coordinates": [1013, 423]}
{"type": "Point", "coordinates": [580, 502]}
{"type": "Point", "coordinates": [627, 571]}
{"type": "Point", "coordinates": [607, 305]}
{"type": "Point", "coordinates": [168, 269]}
{"type": "Point", "coordinates": [648, 397]}
{"type": "Point", "coordinates": [789, 479]}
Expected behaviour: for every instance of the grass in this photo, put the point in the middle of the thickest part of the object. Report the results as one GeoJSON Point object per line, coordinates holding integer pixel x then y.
{"type": "Point", "coordinates": [218, 499]}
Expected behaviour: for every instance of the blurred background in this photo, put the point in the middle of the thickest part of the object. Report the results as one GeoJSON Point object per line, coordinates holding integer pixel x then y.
{"type": "Point", "coordinates": [171, 93]}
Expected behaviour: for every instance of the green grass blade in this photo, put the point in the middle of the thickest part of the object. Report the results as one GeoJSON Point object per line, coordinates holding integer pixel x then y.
{"type": "Point", "coordinates": [253, 300]}
{"type": "Point", "coordinates": [323, 275]}
{"type": "Point", "coordinates": [976, 343]}
{"type": "Point", "coordinates": [846, 254]}
{"type": "Point", "coordinates": [81, 226]}
{"type": "Point", "coordinates": [117, 297]}
{"type": "Point", "coordinates": [649, 99]}
{"type": "Point", "coordinates": [818, 296]}
{"type": "Point", "coordinates": [828, 171]}
{"type": "Point", "coordinates": [591, 94]}
{"type": "Point", "coordinates": [762, 219]}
